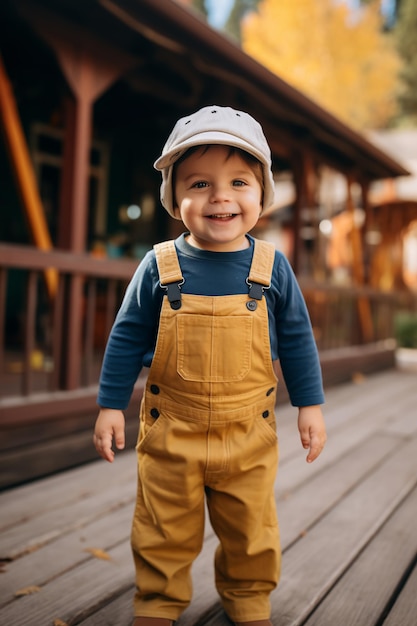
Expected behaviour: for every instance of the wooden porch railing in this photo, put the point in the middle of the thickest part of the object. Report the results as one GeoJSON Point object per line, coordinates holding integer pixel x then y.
{"type": "Point", "coordinates": [32, 359]}
{"type": "Point", "coordinates": [335, 313]}
{"type": "Point", "coordinates": [32, 362]}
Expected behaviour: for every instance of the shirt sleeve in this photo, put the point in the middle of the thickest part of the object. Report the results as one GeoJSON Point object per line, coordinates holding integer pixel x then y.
{"type": "Point", "coordinates": [297, 350]}
{"type": "Point", "coordinates": [132, 336]}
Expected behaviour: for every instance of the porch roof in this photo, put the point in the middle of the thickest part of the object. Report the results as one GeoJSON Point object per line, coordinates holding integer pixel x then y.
{"type": "Point", "coordinates": [183, 61]}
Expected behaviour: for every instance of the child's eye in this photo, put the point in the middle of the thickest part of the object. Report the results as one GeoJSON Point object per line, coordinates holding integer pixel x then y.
{"type": "Point", "coordinates": [200, 184]}
{"type": "Point", "coordinates": [239, 183]}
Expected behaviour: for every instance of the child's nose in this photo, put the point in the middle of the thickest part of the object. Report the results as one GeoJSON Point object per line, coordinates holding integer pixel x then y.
{"type": "Point", "coordinates": [220, 193]}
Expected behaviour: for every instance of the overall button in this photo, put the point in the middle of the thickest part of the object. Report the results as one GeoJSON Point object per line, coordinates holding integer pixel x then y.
{"type": "Point", "coordinates": [268, 393]}
{"type": "Point", "coordinates": [265, 414]}
{"type": "Point", "coordinates": [251, 305]}
{"type": "Point", "coordinates": [155, 389]}
{"type": "Point", "coordinates": [155, 413]}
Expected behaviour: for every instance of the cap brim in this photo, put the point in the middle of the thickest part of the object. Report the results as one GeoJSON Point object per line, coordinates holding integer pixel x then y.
{"type": "Point", "coordinates": [221, 138]}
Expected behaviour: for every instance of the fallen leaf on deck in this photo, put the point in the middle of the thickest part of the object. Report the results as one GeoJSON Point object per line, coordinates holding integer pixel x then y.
{"type": "Point", "coordinates": [59, 622]}
{"type": "Point", "coordinates": [32, 549]}
{"type": "Point", "coordinates": [98, 553]}
{"type": "Point", "coordinates": [26, 591]}
{"type": "Point", "coordinates": [358, 378]}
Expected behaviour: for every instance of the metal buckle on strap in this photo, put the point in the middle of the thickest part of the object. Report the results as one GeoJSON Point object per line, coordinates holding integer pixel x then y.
{"type": "Point", "coordinates": [256, 290]}
{"type": "Point", "coordinates": [174, 293]}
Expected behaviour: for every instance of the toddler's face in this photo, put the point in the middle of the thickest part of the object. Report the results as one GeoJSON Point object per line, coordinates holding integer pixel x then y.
{"type": "Point", "coordinates": [218, 197]}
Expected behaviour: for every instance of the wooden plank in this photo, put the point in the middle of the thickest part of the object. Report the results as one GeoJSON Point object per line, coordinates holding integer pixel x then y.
{"type": "Point", "coordinates": [18, 256]}
{"type": "Point", "coordinates": [366, 396]}
{"type": "Point", "coordinates": [54, 405]}
{"type": "Point", "coordinates": [118, 612]}
{"type": "Point", "coordinates": [76, 594]}
{"type": "Point", "coordinates": [363, 593]}
{"type": "Point", "coordinates": [33, 462]}
{"type": "Point", "coordinates": [342, 402]}
{"type": "Point", "coordinates": [64, 447]}
{"type": "Point", "coordinates": [38, 531]}
{"type": "Point", "coordinates": [298, 511]}
{"type": "Point", "coordinates": [345, 406]}
{"type": "Point", "coordinates": [404, 610]}
{"type": "Point", "coordinates": [315, 562]}
{"type": "Point", "coordinates": [404, 423]}
{"type": "Point", "coordinates": [351, 431]}
{"type": "Point", "coordinates": [65, 553]}
{"type": "Point", "coordinates": [25, 503]}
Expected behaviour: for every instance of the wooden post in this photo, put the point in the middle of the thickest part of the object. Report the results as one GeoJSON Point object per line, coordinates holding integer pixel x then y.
{"type": "Point", "coordinates": [305, 182]}
{"type": "Point", "coordinates": [364, 308]}
{"type": "Point", "coordinates": [305, 187]}
{"type": "Point", "coordinates": [90, 66]}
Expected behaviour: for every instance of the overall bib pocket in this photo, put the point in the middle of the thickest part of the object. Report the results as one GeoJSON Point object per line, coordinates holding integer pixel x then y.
{"type": "Point", "coordinates": [214, 349]}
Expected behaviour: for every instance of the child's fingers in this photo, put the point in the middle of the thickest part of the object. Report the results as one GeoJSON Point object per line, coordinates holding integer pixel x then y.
{"type": "Point", "coordinates": [119, 438]}
{"type": "Point", "coordinates": [103, 445]}
{"type": "Point", "coordinates": [305, 438]}
{"type": "Point", "coordinates": [316, 445]}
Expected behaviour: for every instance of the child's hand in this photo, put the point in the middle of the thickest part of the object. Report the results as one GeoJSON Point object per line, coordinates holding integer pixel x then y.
{"type": "Point", "coordinates": [110, 423]}
{"type": "Point", "coordinates": [312, 430]}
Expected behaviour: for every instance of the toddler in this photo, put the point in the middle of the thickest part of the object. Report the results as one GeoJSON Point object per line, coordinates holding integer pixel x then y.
{"type": "Point", "coordinates": [209, 314]}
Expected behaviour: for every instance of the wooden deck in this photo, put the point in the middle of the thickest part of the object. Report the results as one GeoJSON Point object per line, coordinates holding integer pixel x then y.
{"type": "Point", "coordinates": [348, 525]}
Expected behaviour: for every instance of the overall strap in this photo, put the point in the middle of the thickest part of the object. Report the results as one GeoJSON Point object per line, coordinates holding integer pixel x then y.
{"type": "Point", "coordinates": [260, 272]}
{"type": "Point", "coordinates": [170, 275]}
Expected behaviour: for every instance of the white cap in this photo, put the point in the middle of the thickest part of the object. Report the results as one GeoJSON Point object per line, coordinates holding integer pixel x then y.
{"type": "Point", "coordinates": [215, 125]}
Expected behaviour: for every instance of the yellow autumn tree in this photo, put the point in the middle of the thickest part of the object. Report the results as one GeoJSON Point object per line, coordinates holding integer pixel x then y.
{"type": "Point", "coordinates": [340, 58]}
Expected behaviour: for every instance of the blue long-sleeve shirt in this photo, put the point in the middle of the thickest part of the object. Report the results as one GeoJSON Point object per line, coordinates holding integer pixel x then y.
{"type": "Point", "coordinates": [132, 339]}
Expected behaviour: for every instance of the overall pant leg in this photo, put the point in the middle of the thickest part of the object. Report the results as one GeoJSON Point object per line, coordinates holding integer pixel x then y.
{"type": "Point", "coordinates": [168, 525]}
{"type": "Point", "coordinates": [243, 515]}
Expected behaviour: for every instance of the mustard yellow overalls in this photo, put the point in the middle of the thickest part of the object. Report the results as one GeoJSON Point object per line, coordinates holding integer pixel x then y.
{"type": "Point", "coordinates": [207, 433]}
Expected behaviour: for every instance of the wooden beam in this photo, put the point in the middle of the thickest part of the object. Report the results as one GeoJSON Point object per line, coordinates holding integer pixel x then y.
{"type": "Point", "coordinates": [24, 173]}
{"type": "Point", "coordinates": [90, 65]}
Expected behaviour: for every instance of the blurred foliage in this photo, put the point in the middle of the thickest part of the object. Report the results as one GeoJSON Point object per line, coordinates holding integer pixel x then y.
{"type": "Point", "coordinates": [234, 22]}
{"type": "Point", "coordinates": [350, 61]}
{"type": "Point", "coordinates": [405, 328]}
{"type": "Point", "coordinates": [340, 58]}
{"type": "Point", "coordinates": [406, 37]}
{"type": "Point", "coordinates": [200, 6]}
{"type": "Point", "coordinates": [232, 26]}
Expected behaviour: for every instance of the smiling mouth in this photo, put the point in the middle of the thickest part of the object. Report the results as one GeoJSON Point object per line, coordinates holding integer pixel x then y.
{"type": "Point", "coordinates": [221, 216]}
